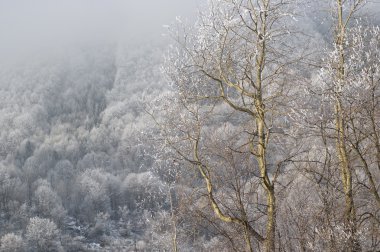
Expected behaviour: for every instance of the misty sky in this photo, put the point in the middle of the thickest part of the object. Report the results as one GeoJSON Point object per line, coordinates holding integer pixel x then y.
{"type": "Point", "coordinates": [38, 25]}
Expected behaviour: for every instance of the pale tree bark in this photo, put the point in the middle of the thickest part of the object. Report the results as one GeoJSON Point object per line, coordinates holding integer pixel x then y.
{"type": "Point", "coordinates": [174, 221]}
{"type": "Point", "coordinates": [263, 138]}
{"type": "Point", "coordinates": [340, 120]}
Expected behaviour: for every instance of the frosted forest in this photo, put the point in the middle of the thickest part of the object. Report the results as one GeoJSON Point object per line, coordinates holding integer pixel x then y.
{"type": "Point", "coordinates": [247, 125]}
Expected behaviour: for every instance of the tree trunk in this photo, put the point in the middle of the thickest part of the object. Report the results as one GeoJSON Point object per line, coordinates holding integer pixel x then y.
{"type": "Point", "coordinates": [345, 169]}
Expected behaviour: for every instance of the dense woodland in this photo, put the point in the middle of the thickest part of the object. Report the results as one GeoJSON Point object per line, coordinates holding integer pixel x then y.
{"type": "Point", "coordinates": [258, 129]}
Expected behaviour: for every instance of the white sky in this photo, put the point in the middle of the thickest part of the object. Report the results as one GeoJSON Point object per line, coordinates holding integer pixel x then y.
{"type": "Point", "coordinates": [35, 25]}
{"type": "Point", "coordinates": [47, 25]}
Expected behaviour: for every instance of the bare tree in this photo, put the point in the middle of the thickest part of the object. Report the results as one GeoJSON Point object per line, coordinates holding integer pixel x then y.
{"type": "Point", "coordinates": [350, 89]}
{"type": "Point", "coordinates": [346, 171]}
{"type": "Point", "coordinates": [229, 116]}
